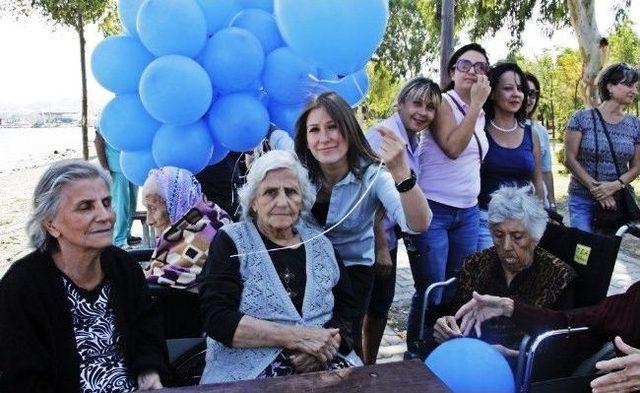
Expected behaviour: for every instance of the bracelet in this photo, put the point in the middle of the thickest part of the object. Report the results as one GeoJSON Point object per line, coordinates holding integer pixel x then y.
{"type": "Point", "coordinates": [622, 185]}
{"type": "Point", "coordinates": [407, 183]}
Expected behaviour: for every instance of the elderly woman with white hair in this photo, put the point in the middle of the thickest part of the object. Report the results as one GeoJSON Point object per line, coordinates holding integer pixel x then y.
{"type": "Point", "coordinates": [75, 314]}
{"type": "Point", "coordinates": [275, 297]}
{"type": "Point", "coordinates": [514, 267]}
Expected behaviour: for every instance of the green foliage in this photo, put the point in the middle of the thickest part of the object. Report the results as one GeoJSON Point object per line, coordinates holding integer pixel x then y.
{"type": "Point", "coordinates": [72, 13]}
{"type": "Point", "coordinates": [383, 88]}
{"type": "Point", "coordinates": [110, 24]}
{"type": "Point", "coordinates": [624, 44]}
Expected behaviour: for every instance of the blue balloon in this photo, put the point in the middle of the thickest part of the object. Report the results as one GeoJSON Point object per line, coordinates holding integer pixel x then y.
{"type": "Point", "coordinates": [340, 35]}
{"type": "Point", "coordinates": [468, 365]}
{"type": "Point", "coordinates": [219, 152]}
{"type": "Point", "coordinates": [118, 61]}
{"type": "Point", "coordinates": [175, 90]}
{"type": "Point", "coordinates": [187, 147]}
{"type": "Point", "coordinates": [219, 13]}
{"type": "Point", "coordinates": [126, 125]}
{"type": "Point", "coordinates": [238, 121]}
{"type": "Point", "coordinates": [172, 27]}
{"type": "Point", "coordinates": [136, 165]}
{"type": "Point", "coordinates": [287, 78]}
{"type": "Point", "coordinates": [266, 5]}
{"type": "Point", "coordinates": [261, 24]}
{"type": "Point", "coordinates": [128, 13]}
{"type": "Point", "coordinates": [353, 87]}
{"type": "Point", "coordinates": [234, 60]}
{"type": "Point", "coordinates": [285, 116]}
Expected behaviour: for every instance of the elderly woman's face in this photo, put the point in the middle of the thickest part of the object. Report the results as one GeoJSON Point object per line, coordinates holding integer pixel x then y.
{"type": "Point", "coordinates": [514, 245]}
{"type": "Point", "coordinates": [84, 218]}
{"type": "Point", "coordinates": [278, 200]}
{"type": "Point", "coordinates": [157, 215]}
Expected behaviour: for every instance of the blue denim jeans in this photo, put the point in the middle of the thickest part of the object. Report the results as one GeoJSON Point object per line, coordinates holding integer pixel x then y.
{"type": "Point", "coordinates": [581, 212]}
{"type": "Point", "coordinates": [438, 254]}
{"type": "Point", "coordinates": [485, 240]}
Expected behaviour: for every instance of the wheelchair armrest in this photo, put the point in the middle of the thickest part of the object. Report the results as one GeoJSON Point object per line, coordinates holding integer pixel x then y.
{"type": "Point", "coordinates": [527, 354]}
{"type": "Point", "coordinates": [425, 302]}
{"type": "Point", "coordinates": [141, 254]}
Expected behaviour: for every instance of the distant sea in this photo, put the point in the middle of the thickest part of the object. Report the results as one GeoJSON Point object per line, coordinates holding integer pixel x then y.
{"type": "Point", "coordinates": [29, 147]}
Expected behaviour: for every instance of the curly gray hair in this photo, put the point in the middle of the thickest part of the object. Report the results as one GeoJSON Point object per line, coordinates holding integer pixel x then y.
{"type": "Point", "coordinates": [269, 161]}
{"type": "Point", "coordinates": [519, 203]}
{"type": "Point", "coordinates": [47, 195]}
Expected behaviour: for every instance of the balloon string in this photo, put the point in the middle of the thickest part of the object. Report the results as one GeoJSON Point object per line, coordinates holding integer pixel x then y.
{"type": "Point", "coordinates": [318, 80]}
{"type": "Point", "coordinates": [355, 81]}
{"type": "Point", "coordinates": [358, 202]}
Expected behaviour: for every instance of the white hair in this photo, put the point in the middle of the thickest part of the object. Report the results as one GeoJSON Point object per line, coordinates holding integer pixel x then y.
{"type": "Point", "coordinates": [519, 203]}
{"type": "Point", "coordinates": [269, 161]}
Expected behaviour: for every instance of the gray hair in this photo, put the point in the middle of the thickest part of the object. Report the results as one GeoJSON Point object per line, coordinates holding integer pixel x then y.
{"type": "Point", "coordinates": [518, 203]}
{"type": "Point", "coordinates": [269, 161]}
{"type": "Point", "coordinates": [48, 193]}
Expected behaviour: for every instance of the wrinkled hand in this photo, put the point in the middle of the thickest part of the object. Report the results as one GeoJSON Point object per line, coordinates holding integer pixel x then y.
{"type": "Point", "coordinates": [602, 190]}
{"type": "Point", "coordinates": [481, 308]}
{"type": "Point", "coordinates": [149, 380]}
{"type": "Point", "coordinates": [384, 264]}
{"type": "Point", "coordinates": [608, 203]}
{"type": "Point", "coordinates": [305, 363]}
{"type": "Point", "coordinates": [319, 342]}
{"type": "Point", "coordinates": [627, 378]}
{"type": "Point", "coordinates": [506, 352]}
{"type": "Point", "coordinates": [392, 153]}
{"type": "Point", "coordinates": [446, 328]}
{"type": "Point", "coordinates": [480, 92]}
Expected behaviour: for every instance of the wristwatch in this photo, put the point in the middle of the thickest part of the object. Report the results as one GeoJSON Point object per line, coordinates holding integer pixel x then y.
{"type": "Point", "coordinates": [407, 183]}
{"type": "Point", "coordinates": [622, 185]}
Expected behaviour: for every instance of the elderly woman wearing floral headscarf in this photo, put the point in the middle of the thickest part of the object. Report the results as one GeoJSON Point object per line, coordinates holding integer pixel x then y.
{"type": "Point", "coordinates": [186, 223]}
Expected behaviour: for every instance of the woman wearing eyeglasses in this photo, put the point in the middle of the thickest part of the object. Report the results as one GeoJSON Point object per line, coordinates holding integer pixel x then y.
{"type": "Point", "coordinates": [514, 149]}
{"type": "Point", "coordinates": [594, 178]}
{"type": "Point", "coordinates": [546, 154]}
{"type": "Point", "coordinates": [449, 158]}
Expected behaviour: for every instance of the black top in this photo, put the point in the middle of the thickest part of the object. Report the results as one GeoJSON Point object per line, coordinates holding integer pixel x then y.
{"type": "Point", "coordinates": [38, 350]}
{"type": "Point", "coordinates": [217, 182]}
{"type": "Point", "coordinates": [221, 289]}
{"type": "Point", "coordinates": [320, 210]}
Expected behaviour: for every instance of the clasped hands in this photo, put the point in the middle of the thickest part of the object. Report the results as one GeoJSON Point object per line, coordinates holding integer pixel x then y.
{"type": "Point", "coordinates": [313, 348]}
{"type": "Point", "coordinates": [603, 193]}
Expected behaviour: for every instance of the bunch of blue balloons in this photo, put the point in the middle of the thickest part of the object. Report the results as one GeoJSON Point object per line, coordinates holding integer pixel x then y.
{"type": "Point", "coordinates": [195, 79]}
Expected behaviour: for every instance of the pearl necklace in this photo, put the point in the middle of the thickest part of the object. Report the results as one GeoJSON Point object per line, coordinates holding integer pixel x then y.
{"type": "Point", "coordinates": [515, 126]}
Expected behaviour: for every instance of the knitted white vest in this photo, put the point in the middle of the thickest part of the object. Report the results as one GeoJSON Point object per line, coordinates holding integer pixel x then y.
{"type": "Point", "coordinates": [264, 297]}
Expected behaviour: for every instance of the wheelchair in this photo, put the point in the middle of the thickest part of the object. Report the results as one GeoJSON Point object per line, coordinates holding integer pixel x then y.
{"type": "Point", "coordinates": [554, 361]}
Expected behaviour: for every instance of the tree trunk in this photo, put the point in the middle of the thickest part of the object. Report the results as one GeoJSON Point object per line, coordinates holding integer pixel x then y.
{"type": "Point", "coordinates": [446, 38]}
{"type": "Point", "coordinates": [83, 72]}
{"type": "Point", "coordinates": [581, 14]}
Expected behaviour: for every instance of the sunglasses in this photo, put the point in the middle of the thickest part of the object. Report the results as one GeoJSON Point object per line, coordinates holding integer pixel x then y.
{"type": "Point", "coordinates": [463, 65]}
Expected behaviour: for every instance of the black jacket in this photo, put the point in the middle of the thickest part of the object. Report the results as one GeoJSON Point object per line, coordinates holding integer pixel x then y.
{"type": "Point", "coordinates": [37, 345]}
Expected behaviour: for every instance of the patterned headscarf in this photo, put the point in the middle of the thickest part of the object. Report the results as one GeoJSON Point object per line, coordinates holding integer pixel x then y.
{"type": "Point", "coordinates": [179, 188]}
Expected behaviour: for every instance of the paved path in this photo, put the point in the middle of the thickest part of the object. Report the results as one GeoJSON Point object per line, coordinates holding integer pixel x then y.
{"type": "Point", "coordinates": [625, 273]}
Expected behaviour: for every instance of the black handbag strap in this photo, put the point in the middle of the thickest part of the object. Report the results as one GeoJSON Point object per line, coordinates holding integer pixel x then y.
{"type": "Point", "coordinates": [606, 133]}
{"type": "Point", "coordinates": [459, 106]}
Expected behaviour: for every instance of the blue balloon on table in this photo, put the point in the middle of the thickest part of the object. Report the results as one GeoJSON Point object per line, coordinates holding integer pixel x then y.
{"type": "Point", "coordinates": [219, 13]}
{"type": "Point", "coordinates": [136, 165]}
{"type": "Point", "coordinates": [261, 24]}
{"type": "Point", "coordinates": [117, 63]}
{"type": "Point", "coordinates": [234, 60]}
{"type": "Point", "coordinates": [238, 121]}
{"type": "Point", "coordinates": [175, 90]}
{"type": "Point", "coordinates": [353, 87]}
{"type": "Point", "coordinates": [340, 35]}
{"type": "Point", "coordinates": [172, 27]}
{"type": "Point", "coordinates": [266, 5]}
{"type": "Point", "coordinates": [288, 78]}
{"type": "Point", "coordinates": [285, 116]}
{"type": "Point", "coordinates": [128, 13]}
{"type": "Point", "coordinates": [187, 147]}
{"type": "Point", "coordinates": [468, 365]}
{"type": "Point", "coordinates": [126, 125]}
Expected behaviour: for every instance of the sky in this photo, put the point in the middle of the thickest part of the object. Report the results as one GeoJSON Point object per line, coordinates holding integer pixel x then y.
{"type": "Point", "coordinates": [39, 63]}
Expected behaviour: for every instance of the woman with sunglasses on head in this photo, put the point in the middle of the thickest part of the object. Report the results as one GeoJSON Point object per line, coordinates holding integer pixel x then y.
{"type": "Point", "coordinates": [546, 154]}
{"type": "Point", "coordinates": [594, 178]}
{"type": "Point", "coordinates": [514, 150]}
{"type": "Point", "coordinates": [450, 154]}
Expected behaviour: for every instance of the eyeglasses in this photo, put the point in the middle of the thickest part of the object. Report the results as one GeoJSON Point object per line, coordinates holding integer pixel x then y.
{"type": "Point", "coordinates": [534, 94]}
{"type": "Point", "coordinates": [464, 65]}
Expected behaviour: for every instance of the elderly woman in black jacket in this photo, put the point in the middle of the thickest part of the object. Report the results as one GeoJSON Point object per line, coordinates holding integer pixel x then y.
{"type": "Point", "coordinates": [75, 314]}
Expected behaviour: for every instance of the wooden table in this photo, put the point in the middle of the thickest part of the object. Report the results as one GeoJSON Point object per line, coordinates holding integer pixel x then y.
{"type": "Point", "coordinates": [399, 377]}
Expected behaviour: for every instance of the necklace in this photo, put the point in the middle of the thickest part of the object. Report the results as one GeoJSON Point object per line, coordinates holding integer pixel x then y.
{"type": "Point", "coordinates": [515, 126]}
